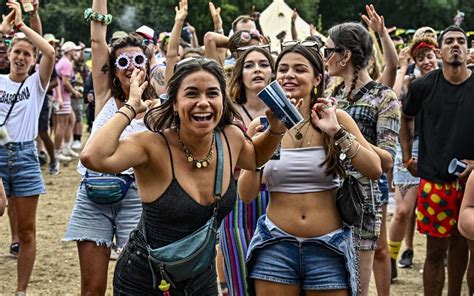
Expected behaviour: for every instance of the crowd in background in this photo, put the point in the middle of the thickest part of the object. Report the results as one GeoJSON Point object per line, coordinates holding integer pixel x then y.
{"type": "Point", "coordinates": [393, 112]}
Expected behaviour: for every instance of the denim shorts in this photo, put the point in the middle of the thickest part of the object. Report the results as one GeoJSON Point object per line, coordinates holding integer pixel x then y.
{"type": "Point", "coordinates": [99, 223]}
{"type": "Point", "coordinates": [319, 263]}
{"type": "Point", "coordinates": [133, 276]}
{"type": "Point", "coordinates": [20, 169]}
{"type": "Point", "coordinates": [383, 186]}
{"type": "Point", "coordinates": [401, 176]}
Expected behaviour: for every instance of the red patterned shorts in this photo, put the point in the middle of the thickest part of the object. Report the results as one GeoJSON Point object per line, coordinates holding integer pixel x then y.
{"type": "Point", "coordinates": [438, 207]}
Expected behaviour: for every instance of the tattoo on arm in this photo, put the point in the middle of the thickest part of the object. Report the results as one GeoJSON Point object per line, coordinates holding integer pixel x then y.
{"type": "Point", "coordinates": [105, 69]}
{"type": "Point", "coordinates": [159, 77]}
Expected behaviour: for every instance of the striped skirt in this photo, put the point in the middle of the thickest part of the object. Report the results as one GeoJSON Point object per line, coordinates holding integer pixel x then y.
{"type": "Point", "coordinates": [236, 232]}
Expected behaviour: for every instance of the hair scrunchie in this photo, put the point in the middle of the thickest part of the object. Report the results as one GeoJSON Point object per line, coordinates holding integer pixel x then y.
{"type": "Point", "coordinates": [91, 15]}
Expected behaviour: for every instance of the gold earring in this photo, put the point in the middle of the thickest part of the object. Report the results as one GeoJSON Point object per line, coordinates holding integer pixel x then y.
{"type": "Point", "coordinates": [315, 90]}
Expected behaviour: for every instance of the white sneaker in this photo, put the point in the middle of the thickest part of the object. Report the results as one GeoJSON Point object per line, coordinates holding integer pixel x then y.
{"type": "Point", "coordinates": [69, 152]}
{"type": "Point", "coordinates": [63, 158]}
{"type": "Point", "coordinates": [76, 145]}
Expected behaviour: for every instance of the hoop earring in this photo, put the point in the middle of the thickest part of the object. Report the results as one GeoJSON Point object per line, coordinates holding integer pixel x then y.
{"type": "Point", "coordinates": [175, 114]}
{"type": "Point", "coordinates": [315, 90]}
{"type": "Point", "coordinates": [342, 63]}
{"type": "Point", "coordinates": [115, 83]}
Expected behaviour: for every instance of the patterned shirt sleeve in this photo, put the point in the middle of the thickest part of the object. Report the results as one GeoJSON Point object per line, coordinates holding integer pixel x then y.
{"type": "Point", "coordinates": [388, 122]}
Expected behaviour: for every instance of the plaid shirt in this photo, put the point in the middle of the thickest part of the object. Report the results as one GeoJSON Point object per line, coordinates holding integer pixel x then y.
{"type": "Point", "coordinates": [377, 114]}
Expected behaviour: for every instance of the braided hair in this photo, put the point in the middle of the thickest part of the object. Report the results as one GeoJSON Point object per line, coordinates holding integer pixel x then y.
{"type": "Point", "coordinates": [355, 38]}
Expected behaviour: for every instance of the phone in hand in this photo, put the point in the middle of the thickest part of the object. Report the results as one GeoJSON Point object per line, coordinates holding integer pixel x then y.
{"type": "Point", "coordinates": [264, 122]}
{"type": "Point", "coordinates": [27, 5]}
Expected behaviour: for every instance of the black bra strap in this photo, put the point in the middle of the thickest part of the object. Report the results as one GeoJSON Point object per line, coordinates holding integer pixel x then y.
{"type": "Point", "coordinates": [228, 148]}
{"type": "Point", "coordinates": [169, 150]}
{"type": "Point", "coordinates": [246, 112]}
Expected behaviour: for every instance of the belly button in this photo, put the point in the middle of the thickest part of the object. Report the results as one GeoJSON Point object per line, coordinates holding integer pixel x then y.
{"type": "Point", "coordinates": [303, 217]}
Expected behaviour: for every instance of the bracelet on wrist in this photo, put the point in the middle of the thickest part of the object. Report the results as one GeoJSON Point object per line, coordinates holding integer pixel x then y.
{"type": "Point", "coordinates": [20, 25]}
{"type": "Point", "coordinates": [130, 107]}
{"type": "Point", "coordinates": [91, 15]}
{"type": "Point", "coordinates": [409, 162]}
{"type": "Point", "coordinates": [274, 134]}
{"type": "Point", "coordinates": [340, 133]}
{"type": "Point", "coordinates": [126, 116]}
{"type": "Point", "coordinates": [355, 152]}
{"type": "Point", "coordinates": [220, 31]}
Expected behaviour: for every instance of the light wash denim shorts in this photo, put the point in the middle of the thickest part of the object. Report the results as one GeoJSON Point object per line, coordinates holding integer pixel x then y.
{"type": "Point", "coordinates": [319, 263]}
{"type": "Point", "coordinates": [20, 169]}
{"type": "Point", "coordinates": [401, 176]}
{"type": "Point", "coordinates": [99, 223]}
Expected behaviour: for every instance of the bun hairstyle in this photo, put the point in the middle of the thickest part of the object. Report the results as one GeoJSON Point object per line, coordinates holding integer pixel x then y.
{"type": "Point", "coordinates": [131, 40]}
{"type": "Point", "coordinates": [163, 116]}
{"type": "Point", "coordinates": [355, 38]}
{"type": "Point", "coordinates": [332, 163]}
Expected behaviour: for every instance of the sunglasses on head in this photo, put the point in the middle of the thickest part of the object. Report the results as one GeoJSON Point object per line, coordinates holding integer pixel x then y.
{"type": "Point", "coordinates": [305, 43]}
{"type": "Point", "coordinates": [242, 49]}
{"type": "Point", "coordinates": [147, 41]}
{"type": "Point", "coordinates": [328, 51]}
{"type": "Point", "coordinates": [195, 59]}
{"type": "Point", "coordinates": [124, 60]}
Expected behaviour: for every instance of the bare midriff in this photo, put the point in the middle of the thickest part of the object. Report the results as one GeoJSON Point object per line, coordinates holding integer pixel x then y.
{"type": "Point", "coordinates": [305, 214]}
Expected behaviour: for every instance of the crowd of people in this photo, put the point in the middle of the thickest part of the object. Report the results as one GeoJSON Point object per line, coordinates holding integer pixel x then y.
{"type": "Point", "coordinates": [199, 189]}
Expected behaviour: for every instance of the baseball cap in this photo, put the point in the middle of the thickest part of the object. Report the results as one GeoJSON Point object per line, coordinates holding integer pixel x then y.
{"type": "Point", "coordinates": [69, 45]}
{"type": "Point", "coordinates": [420, 32]}
{"type": "Point", "coordinates": [117, 35]}
{"type": "Point", "coordinates": [50, 37]}
{"type": "Point", "coordinates": [148, 33]}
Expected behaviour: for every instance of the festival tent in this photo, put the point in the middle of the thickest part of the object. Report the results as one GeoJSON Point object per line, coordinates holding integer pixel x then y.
{"type": "Point", "coordinates": [276, 18]}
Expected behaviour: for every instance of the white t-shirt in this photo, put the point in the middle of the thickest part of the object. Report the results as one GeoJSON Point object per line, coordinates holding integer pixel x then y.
{"type": "Point", "coordinates": [22, 125]}
{"type": "Point", "coordinates": [107, 112]}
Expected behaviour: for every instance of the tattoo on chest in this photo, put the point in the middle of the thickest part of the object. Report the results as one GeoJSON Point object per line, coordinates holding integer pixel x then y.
{"type": "Point", "coordinates": [105, 69]}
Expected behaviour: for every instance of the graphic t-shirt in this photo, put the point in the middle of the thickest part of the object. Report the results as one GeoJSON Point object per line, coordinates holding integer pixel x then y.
{"type": "Point", "coordinates": [22, 125]}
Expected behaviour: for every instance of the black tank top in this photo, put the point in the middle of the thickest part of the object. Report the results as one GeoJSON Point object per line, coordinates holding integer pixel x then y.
{"type": "Point", "coordinates": [176, 215]}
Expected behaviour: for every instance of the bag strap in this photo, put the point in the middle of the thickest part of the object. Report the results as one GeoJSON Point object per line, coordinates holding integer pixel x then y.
{"type": "Point", "coordinates": [219, 172]}
{"type": "Point", "coordinates": [13, 103]}
{"type": "Point", "coordinates": [363, 90]}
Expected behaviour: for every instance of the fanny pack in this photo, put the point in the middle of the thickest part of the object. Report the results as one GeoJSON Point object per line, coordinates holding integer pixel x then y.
{"type": "Point", "coordinates": [107, 189]}
{"type": "Point", "coordinates": [194, 253]}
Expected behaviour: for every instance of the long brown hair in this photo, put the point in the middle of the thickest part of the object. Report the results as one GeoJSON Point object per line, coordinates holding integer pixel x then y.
{"type": "Point", "coordinates": [163, 116]}
{"type": "Point", "coordinates": [333, 165]}
{"type": "Point", "coordinates": [236, 88]}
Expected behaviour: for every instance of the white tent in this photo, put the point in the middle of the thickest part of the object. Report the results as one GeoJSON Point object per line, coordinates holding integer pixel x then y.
{"type": "Point", "coordinates": [277, 18]}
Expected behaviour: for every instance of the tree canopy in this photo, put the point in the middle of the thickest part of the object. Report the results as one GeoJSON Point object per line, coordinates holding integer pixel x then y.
{"type": "Point", "coordinates": [64, 18]}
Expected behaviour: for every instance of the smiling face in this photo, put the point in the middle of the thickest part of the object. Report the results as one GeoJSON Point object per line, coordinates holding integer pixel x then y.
{"type": "Point", "coordinates": [21, 57]}
{"type": "Point", "coordinates": [257, 72]}
{"type": "Point", "coordinates": [124, 75]}
{"type": "Point", "coordinates": [199, 102]}
{"type": "Point", "coordinates": [426, 61]}
{"type": "Point", "coordinates": [296, 75]}
{"type": "Point", "coordinates": [453, 48]}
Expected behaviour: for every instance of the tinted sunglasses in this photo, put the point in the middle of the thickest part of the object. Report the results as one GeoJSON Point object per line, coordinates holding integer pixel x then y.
{"type": "Point", "coordinates": [305, 43]}
{"type": "Point", "coordinates": [329, 51]}
{"type": "Point", "coordinates": [124, 60]}
{"type": "Point", "coordinates": [6, 41]}
{"type": "Point", "coordinates": [196, 59]}
{"type": "Point", "coordinates": [242, 49]}
{"type": "Point", "coordinates": [147, 41]}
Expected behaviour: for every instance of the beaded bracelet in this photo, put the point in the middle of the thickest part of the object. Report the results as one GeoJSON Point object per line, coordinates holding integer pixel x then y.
{"type": "Point", "coordinates": [273, 134]}
{"type": "Point", "coordinates": [90, 14]}
{"type": "Point", "coordinates": [125, 114]}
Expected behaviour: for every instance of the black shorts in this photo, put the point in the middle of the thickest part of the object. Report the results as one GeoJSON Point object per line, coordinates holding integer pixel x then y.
{"type": "Point", "coordinates": [45, 114]}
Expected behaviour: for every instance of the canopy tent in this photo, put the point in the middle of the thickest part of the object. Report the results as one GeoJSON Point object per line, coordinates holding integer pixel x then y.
{"type": "Point", "coordinates": [276, 18]}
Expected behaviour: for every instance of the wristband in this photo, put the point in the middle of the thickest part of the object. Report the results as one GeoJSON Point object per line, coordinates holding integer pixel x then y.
{"type": "Point", "coordinates": [273, 134]}
{"type": "Point", "coordinates": [129, 107]}
{"type": "Point", "coordinates": [125, 114]}
{"type": "Point", "coordinates": [409, 162]}
{"type": "Point", "coordinates": [20, 25]}
{"type": "Point", "coordinates": [221, 31]}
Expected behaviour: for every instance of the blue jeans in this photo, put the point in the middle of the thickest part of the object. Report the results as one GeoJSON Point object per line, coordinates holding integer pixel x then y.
{"type": "Point", "coordinates": [133, 276]}
{"type": "Point", "coordinates": [318, 263]}
{"type": "Point", "coordinates": [99, 223]}
{"type": "Point", "coordinates": [20, 169]}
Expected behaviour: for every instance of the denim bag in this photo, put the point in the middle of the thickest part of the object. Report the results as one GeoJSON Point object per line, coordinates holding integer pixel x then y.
{"type": "Point", "coordinates": [106, 189]}
{"type": "Point", "coordinates": [194, 253]}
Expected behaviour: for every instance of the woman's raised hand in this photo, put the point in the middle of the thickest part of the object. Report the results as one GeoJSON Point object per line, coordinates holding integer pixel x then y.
{"type": "Point", "coordinates": [181, 11]}
{"type": "Point", "coordinates": [323, 115]}
{"type": "Point", "coordinates": [6, 25]}
{"type": "Point", "coordinates": [16, 7]}
{"type": "Point", "coordinates": [375, 21]}
{"type": "Point", "coordinates": [138, 85]}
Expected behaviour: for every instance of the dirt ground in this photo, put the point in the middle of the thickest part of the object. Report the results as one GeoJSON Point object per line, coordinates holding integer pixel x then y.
{"type": "Point", "coordinates": [56, 270]}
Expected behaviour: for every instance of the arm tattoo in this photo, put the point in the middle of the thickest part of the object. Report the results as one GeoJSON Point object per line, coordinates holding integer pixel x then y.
{"type": "Point", "coordinates": [159, 77]}
{"type": "Point", "coordinates": [105, 68]}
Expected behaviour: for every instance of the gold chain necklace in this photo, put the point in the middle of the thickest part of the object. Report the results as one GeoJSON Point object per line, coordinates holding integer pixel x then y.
{"type": "Point", "coordinates": [198, 163]}
{"type": "Point", "coordinates": [299, 135]}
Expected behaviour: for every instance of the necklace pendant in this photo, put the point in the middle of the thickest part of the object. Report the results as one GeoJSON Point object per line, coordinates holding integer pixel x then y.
{"type": "Point", "coordinates": [205, 164]}
{"type": "Point", "coordinates": [298, 135]}
{"type": "Point", "coordinates": [190, 159]}
{"type": "Point", "coordinates": [198, 165]}
{"type": "Point", "coordinates": [342, 156]}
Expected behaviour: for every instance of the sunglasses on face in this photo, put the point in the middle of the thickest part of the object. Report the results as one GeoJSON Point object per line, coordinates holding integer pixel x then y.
{"type": "Point", "coordinates": [242, 49]}
{"type": "Point", "coordinates": [6, 41]}
{"type": "Point", "coordinates": [147, 41]}
{"type": "Point", "coordinates": [124, 60]}
{"type": "Point", "coordinates": [329, 51]}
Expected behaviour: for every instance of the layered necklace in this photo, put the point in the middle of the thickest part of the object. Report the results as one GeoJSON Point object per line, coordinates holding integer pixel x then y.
{"type": "Point", "coordinates": [299, 136]}
{"type": "Point", "coordinates": [198, 163]}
